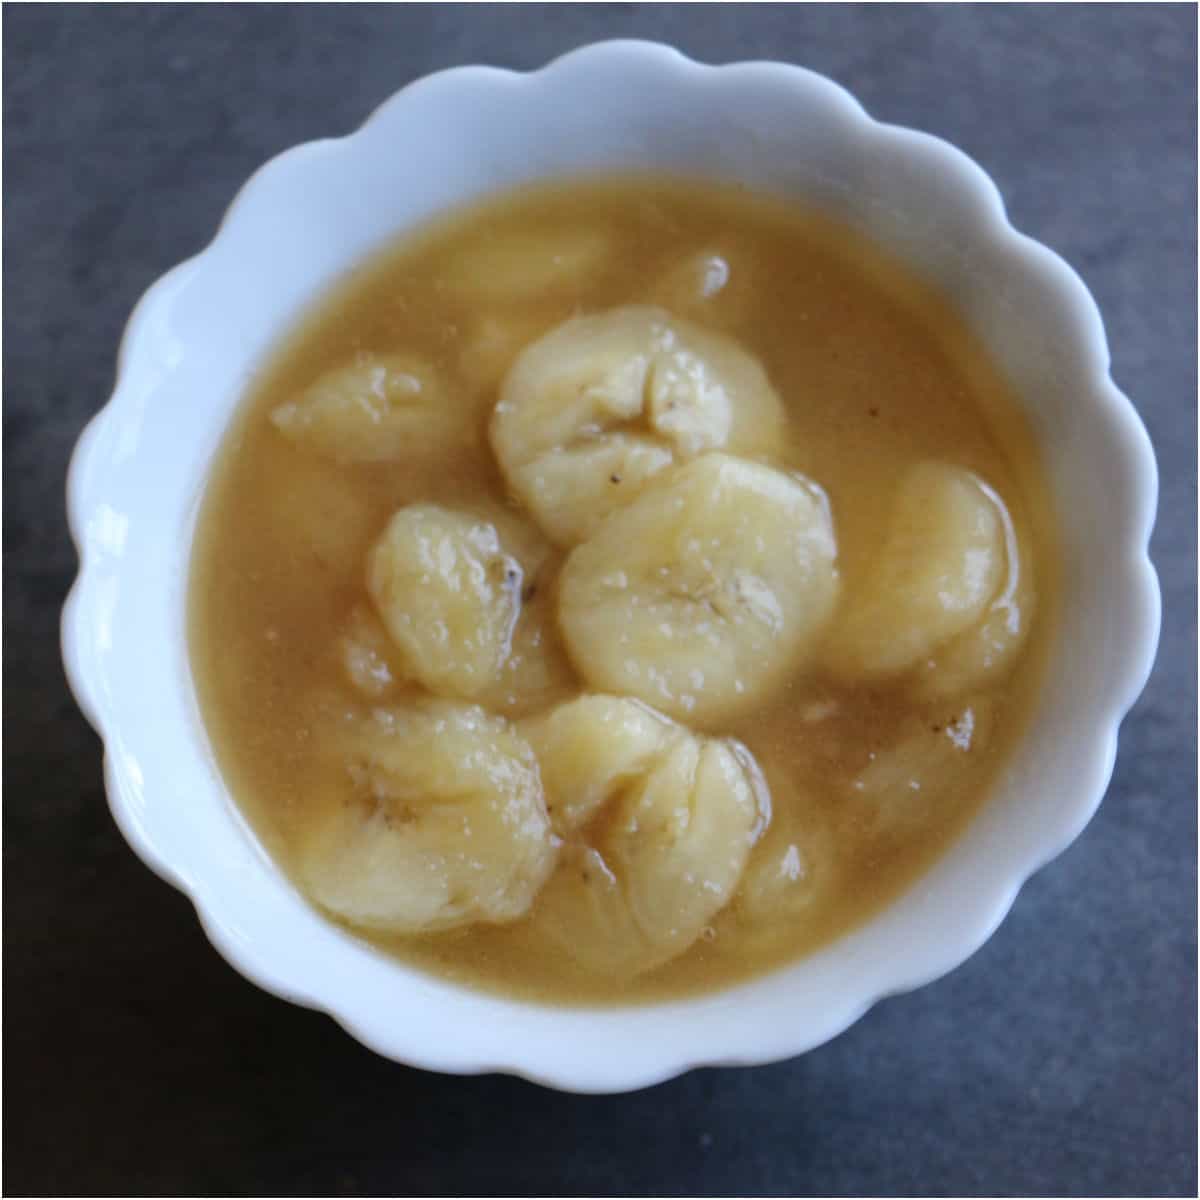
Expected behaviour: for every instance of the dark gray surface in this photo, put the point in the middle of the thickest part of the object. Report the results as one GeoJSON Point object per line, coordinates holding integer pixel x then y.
{"type": "Point", "coordinates": [1061, 1059]}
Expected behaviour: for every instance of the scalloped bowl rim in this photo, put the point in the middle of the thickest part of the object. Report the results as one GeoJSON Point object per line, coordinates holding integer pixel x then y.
{"type": "Point", "coordinates": [605, 1050]}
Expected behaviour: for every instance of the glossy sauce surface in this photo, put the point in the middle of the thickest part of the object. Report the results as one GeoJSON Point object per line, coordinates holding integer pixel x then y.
{"type": "Point", "coordinates": [870, 776]}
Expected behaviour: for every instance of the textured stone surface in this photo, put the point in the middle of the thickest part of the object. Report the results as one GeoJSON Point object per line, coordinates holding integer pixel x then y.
{"type": "Point", "coordinates": [1061, 1059]}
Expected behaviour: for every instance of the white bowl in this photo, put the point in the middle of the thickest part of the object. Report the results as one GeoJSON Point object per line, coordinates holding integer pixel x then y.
{"type": "Point", "coordinates": [302, 220]}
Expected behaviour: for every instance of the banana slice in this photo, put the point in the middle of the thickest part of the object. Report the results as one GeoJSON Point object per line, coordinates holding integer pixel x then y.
{"type": "Point", "coordinates": [447, 826]}
{"type": "Point", "coordinates": [903, 785]}
{"type": "Point", "coordinates": [534, 674]}
{"type": "Point", "coordinates": [537, 671]}
{"type": "Point", "coordinates": [374, 410]}
{"type": "Point", "coordinates": [790, 868]}
{"type": "Point", "coordinates": [519, 536]}
{"type": "Point", "coordinates": [705, 592]}
{"type": "Point", "coordinates": [514, 267]}
{"type": "Point", "coordinates": [680, 842]}
{"type": "Point", "coordinates": [448, 595]}
{"type": "Point", "coordinates": [583, 912]}
{"type": "Point", "coordinates": [948, 565]}
{"type": "Point", "coordinates": [600, 404]}
{"type": "Point", "coordinates": [791, 871]}
{"type": "Point", "coordinates": [988, 648]}
{"type": "Point", "coordinates": [590, 749]}
{"type": "Point", "coordinates": [670, 821]}
{"type": "Point", "coordinates": [367, 654]}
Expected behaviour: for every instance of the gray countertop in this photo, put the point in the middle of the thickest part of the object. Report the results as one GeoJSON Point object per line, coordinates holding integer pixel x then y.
{"type": "Point", "coordinates": [1061, 1059]}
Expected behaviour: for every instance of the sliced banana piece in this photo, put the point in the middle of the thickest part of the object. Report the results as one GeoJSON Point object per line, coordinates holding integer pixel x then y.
{"type": "Point", "coordinates": [792, 870]}
{"type": "Point", "coordinates": [512, 267]}
{"type": "Point", "coordinates": [519, 536]}
{"type": "Point", "coordinates": [681, 841]}
{"type": "Point", "coordinates": [591, 748]}
{"type": "Point", "coordinates": [449, 596]}
{"type": "Point", "coordinates": [534, 674]}
{"type": "Point", "coordinates": [705, 592]}
{"type": "Point", "coordinates": [905, 783]}
{"type": "Point", "coordinates": [537, 672]}
{"type": "Point", "coordinates": [377, 409]}
{"type": "Point", "coordinates": [582, 912]}
{"type": "Point", "coordinates": [988, 648]}
{"type": "Point", "coordinates": [661, 824]}
{"type": "Point", "coordinates": [447, 825]}
{"type": "Point", "coordinates": [601, 404]}
{"type": "Point", "coordinates": [949, 552]}
{"type": "Point", "coordinates": [367, 654]}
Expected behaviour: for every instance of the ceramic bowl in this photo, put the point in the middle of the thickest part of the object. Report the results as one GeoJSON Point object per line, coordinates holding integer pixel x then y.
{"type": "Point", "coordinates": [305, 218]}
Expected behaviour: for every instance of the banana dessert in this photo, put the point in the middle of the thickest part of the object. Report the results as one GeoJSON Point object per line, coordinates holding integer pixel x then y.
{"type": "Point", "coordinates": [619, 589]}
